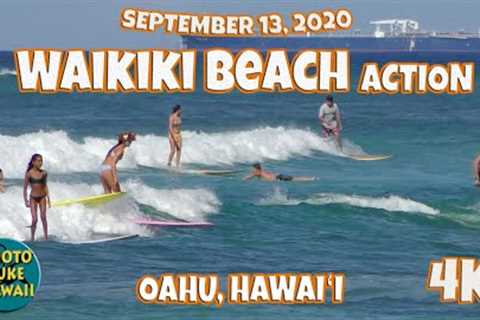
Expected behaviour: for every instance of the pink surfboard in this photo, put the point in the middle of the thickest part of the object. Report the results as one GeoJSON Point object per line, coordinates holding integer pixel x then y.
{"type": "Point", "coordinates": [172, 224]}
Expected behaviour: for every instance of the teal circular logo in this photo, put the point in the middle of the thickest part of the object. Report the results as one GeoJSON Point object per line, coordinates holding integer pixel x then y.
{"type": "Point", "coordinates": [19, 275]}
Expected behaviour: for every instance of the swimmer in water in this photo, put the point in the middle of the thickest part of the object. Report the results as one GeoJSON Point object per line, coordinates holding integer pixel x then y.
{"type": "Point", "coordinates": [258, 172]}
{"type": "Point", "coordinates": [36, 178]}
{"type": "Point", "coordinates": [108, 169]}
{"type": "Point", "coordinates": [330, 120]}
{"type": "Point", "coordinates": [476, 170]}
{"type": "Point", "coordinates": [175, 135]}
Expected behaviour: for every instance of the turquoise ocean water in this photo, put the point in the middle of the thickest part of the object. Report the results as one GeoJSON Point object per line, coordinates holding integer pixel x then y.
{"type": "Point", "coordinates": [380, 222]}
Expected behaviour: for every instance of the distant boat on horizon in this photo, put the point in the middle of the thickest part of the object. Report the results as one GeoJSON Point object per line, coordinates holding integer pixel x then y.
{"type": "Point", "coordinates": [393, 35]}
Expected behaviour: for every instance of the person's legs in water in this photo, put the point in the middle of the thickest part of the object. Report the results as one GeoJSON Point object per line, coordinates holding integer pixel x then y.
{"type": "Point", "coordinates": [43, 216]}
{"type": "Point", "coordinates": [304, 178]}
{"type": "Point", "coordinates": [282, 177]}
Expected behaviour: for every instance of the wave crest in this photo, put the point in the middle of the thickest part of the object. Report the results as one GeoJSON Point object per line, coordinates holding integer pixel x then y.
{"type": "Point", "coordinates": [78, 223]}
{"type": "Point", "coordinates": [391, 203]}
{"type": "Point", "coordinates": [63, 154]}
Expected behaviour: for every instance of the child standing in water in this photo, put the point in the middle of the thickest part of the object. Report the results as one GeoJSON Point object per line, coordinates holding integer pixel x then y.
{"type": "Point", "coordinates": [36, 178]}
{"type": "Point", "coordinates": [175, 135]}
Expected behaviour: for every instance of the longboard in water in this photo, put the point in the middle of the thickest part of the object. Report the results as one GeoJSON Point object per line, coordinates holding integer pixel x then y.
{"type": "Point", "coordinates": [207, 172]}
{"type": "Point", "coordinates": [172, 224]}
{"type": "Point", "coordinates": [89, 201]}
{"type": "Point", "coordinates": [210, 172]}
{"type": "Point", "coordinates": [368, 157]}
{"type": "Point", "coordinates": [103, 238]}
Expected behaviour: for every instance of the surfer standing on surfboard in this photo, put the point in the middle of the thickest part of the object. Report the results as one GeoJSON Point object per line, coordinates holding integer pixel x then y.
{"type": "Point", "coordinates": [108, 169]}
{"type": "Point", "coordinates": [330, 120]}
{"type": "Point", "coordinates": [258, 172]}
{"type": "Point", "coordinates": [37, 179]}
{"type": "Point", "coordinates": [175, 135]}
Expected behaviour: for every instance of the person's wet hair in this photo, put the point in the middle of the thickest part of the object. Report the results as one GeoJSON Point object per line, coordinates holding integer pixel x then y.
{"type": "Point", "coordinates": [176, 108]}
{"type": "Point", "coordinates": [257, 166]}
{"type": "Point", "coordinates": [32, 159]}
{"type": "Point", "coordinates": [329, 98]}
{"type": "Point", "coordinates": [126, 137]}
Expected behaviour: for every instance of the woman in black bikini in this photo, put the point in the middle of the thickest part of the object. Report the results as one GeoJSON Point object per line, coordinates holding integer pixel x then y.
{"type": "Point", "coordinates": [37, 179]}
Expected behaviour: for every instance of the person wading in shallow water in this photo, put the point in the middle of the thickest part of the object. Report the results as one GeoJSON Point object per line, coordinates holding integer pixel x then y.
{"type": "Point", "coordinates": [36, 178]}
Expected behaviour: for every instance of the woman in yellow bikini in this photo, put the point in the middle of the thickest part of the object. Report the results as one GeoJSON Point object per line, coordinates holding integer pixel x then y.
{"type": "Point", "coordinates": [108, 169]}
{"type": "Point", "coordinates": [36, 178]}
{"type": "Point", "coordinates": [175, 135]}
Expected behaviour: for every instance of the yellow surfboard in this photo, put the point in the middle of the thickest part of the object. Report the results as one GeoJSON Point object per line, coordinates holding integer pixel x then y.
{"type": "Point", "coordinates": [371, 157]}
{"type": "Point", "coordinates": [89, 201]}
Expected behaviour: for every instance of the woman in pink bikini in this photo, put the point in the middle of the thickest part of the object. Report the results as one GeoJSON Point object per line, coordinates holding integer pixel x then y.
{"type": "Point", "coordinates": [108, 169]}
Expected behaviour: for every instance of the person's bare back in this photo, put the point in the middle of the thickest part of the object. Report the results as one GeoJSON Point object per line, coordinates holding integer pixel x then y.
{"type": "Point", "coordinates": [258, 172]}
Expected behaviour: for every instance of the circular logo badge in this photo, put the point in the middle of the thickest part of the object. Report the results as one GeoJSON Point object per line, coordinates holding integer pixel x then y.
{"type": "Point", "coordinates": [19, 275]}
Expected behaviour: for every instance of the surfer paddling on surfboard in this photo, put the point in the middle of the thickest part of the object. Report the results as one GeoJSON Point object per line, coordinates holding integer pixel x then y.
{"type": "Point", "coordinates": [330, 120]}
{"type": "Point", "coordinates": [36, 178]}
{"type": "Point", "coordinates": [108, 169]}
{"type": "Point", "coordinates": [175, 135]}
{"type": "Point", "coordinates": [258, 172]}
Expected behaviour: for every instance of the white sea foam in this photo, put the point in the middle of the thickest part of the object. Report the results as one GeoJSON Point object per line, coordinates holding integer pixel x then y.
{"type": "Point", "coordinates": [186, 204]}
{"type": "Point", "coordinates": [391, 203]}
{"type": "Point", "coordinates": [77, 222]}
{"type": "Point", "coordinates": [6, 71]}
{"type": "Point", "coordinates": [62, 154]}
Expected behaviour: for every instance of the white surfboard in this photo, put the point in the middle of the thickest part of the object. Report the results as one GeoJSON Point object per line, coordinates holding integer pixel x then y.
{"type": "Point", "coordinates": [100, 238]}
{"type": "Point", "coordinates": [172, 224]}
{"type": "Point", "coordinates": [368, 157]}
{"type": "Point", "coordinates": [207, 172]}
